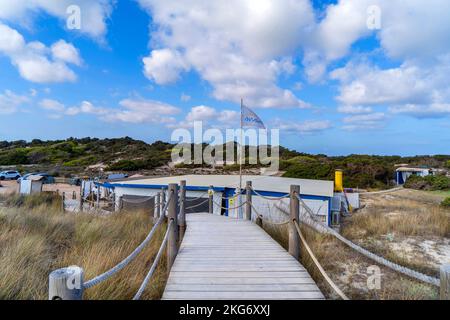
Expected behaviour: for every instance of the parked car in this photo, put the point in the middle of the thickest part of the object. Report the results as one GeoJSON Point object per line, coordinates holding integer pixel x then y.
{"type": "Point", "coordinates": [48, 179]}
{"type": "Point", "coordinates": [9, 175]}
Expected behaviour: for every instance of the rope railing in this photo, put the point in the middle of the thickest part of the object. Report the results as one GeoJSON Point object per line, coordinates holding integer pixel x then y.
{"type": "Point", "coordinates": [268, 221]}
{"type": "Point", "coordinates": [100, 278]}
{"type": "Point", "coordinates": [150, 273]}
{"type": "Point", "coordinates": [230, 208]}
{"type": "Point", "coordinates": [318, 265]}
{"type": "Point", "coordinates": [194, 199]}
{"type": "Point", "coordinates": [319, 226]}
{"type": "Point", "coordinates": [270, 198]}
{"type": "Point", "coordinates": [197, 205]}
{"type": "Point", "coordinates": [138, 201]}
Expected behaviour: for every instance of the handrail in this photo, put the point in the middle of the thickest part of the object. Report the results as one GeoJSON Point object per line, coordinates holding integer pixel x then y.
{"type": "Point", "coordinates": [318, 265]}
{"type": "Point", "coordinates": [396, 267]}
{"type": "Point", "coordinates": [102, 277]}
{"type": "Point", "coordinates": [149, 275]}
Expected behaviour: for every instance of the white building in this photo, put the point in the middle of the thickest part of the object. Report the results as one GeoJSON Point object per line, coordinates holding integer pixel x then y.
{"type": "Point", "coordinates": [317, 194]}
{"type": "Point", "coordinates": [403, 173]}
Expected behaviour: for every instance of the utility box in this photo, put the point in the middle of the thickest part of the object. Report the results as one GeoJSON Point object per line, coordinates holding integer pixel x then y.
{"type": "Point", "coordinates": [32, 185]}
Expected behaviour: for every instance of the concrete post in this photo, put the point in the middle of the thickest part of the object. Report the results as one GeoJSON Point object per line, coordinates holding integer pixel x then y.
{"type": "Point", "coordinates": [66, 284]}
{"type": "Point", "coordinates": [445, 282]}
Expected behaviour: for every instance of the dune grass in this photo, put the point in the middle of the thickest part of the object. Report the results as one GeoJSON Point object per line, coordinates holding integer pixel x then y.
{"type": "Point", "coordinates": [402, 217]}
{"type": "Point", "coordinates": [36, 237]}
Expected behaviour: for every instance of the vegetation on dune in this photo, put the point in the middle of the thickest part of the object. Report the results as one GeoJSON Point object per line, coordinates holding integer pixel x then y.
{"type": "Point", "coordinates": [127, 154]}
{"type": "Point", "coordinates": [37, 238]}
{"type": "Point", "coordinates": [446, 202]}
{"type": "Point", "coordinates": [428, 183]}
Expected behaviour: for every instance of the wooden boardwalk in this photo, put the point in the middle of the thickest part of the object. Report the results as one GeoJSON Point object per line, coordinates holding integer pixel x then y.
{"type": "Point", "coordinates": [225, 258]}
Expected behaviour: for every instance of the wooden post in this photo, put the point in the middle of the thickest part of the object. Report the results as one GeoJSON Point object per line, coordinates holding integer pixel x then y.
{"type": "Point", "coordinates": [120, 203]}
{"type": "Point", "coordinates": [163, 200]}
{"type": "Point", "coordinates": [445, 282]}
{"type": "Point", "coordinates": [294, 239]}
{"type": "Point", "coordinates": [82, 196]}
{"type": "Point", "coordinates": [158, 205]}
{"type": "Point", "coordinates": [248, 205]}
{"type": "Point", "coordinates": [98, 196]}
{"type": "Point", "coordinates": [63, 199]}
{"type": "Point", "coordinates": [114, 201]}
{"type": "Point", "coordinates": [172, 242]}
{"type": "Point", "coordinates": [210, 199]}
{"type": "Point", "coordinates": [66, 284]}
{"type": "Point", "coordinates": [182, 221]}
{"type": "Point", "coordinates": [74, 195]}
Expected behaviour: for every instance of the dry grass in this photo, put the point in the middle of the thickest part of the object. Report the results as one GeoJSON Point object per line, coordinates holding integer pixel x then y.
{"type": "Point", "coordinates": [401, 217]}
{"type": "Point", "coordinates": [348, 270]}
{"type": "Point", "coordinates": [36, 238]}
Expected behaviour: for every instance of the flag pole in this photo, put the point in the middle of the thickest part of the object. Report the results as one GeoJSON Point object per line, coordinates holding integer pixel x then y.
{"type": "Point", "coordinates": [240, 166]}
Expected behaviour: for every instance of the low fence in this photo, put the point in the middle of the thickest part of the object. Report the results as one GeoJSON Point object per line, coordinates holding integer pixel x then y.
{"type": "Point", "coordinates": [67, 283]}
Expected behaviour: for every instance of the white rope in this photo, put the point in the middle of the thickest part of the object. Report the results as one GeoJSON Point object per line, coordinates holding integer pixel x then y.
{"type": "Point", "coordinates": [197, 205]}
{"type": "Point", "coordinates": [193, 199]}
{"type": "Point", "coordinates": [319, 226]}
{"type": "Point", "coordinates": [268, 221]}
{"type": "Point", "coordinates": [149, 275]}
{"type": "Point", "coordinates": [138, 201]}
{"type": "Point", "coordinates": [128, 259]}
{"type": "Point", "coordinates": [318, 265]}
{"type": "Point", "coordinates": [230, 208]}
{"type": "Point", "coordinates": [270, 198]}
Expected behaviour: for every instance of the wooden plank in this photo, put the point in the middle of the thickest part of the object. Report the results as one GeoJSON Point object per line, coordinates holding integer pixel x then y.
{"type": "Point", "coordinates": [239, 281]}
{"type": "Point", "coordinates": [224, 258]}
{"type": "Point", "coordinates": [238, 295]}
{"type": "Point", "coordinates": [275, 287]}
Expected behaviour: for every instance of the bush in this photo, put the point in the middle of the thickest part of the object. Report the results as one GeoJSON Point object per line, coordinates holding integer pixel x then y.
{"type": "Point", "coordinates": [428, 183]}
{"type": "Point", "coordinates": [446, 203]}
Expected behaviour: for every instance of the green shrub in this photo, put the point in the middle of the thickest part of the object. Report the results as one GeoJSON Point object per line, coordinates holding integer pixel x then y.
{"type": "Point", "coordinates": [446, 203]}
{"type": "Point", "coordinates": [428, 183]}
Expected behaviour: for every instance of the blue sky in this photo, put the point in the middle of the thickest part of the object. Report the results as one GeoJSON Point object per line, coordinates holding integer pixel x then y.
{"type": "Point", "coordinates": [319, 71]}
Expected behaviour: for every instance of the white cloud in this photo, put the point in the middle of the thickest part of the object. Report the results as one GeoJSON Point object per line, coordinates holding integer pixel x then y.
{"type": "Point", "coordinates": [10, 102]}
{"type": "Point", "coordinates": [94, 14]}
{"type": "Point", "coordinates": [164, 66]}
{"type": "Point", "coordinates": [130, 111]}
{"type": "Point", "coordinates": [354, 109]}
{"type": "Point", "coordinates": [363, 84]}
{"type": "Point", "coordinates": [306, 127]}
{"type": "Point", "coordinates": [239, 47]}
{"type": "Point", "coordinates": [185, 98]}
{"type": "Point", "coordinates": [209, 117]}
{"type": "Point", "coordinates": [365, 121]}
{"type": "Point", "coordinates": [66, 52]}
{"type": "Point", "coordinates": [434, 110]}
{"type": "Point", "coordinates": [406, 31]}
{"type": "Point", "coordinates": [52, 105]}
{"type": "Point", "coordinates": [143, 111]}
{"type": "Point", "coordinates": [412, 88]}
{"type": "Point", "coordinates": [33, 59]}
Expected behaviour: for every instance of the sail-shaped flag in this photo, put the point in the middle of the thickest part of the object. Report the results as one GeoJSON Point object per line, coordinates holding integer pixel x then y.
{"type": "Point", "coordinates": [249, 119]}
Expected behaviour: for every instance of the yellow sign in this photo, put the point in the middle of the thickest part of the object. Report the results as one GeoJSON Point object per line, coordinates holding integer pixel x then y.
{"type": "Point", "coordinates": [232, 201]}
{"type": "Point", "coordinates": [210, 192]}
